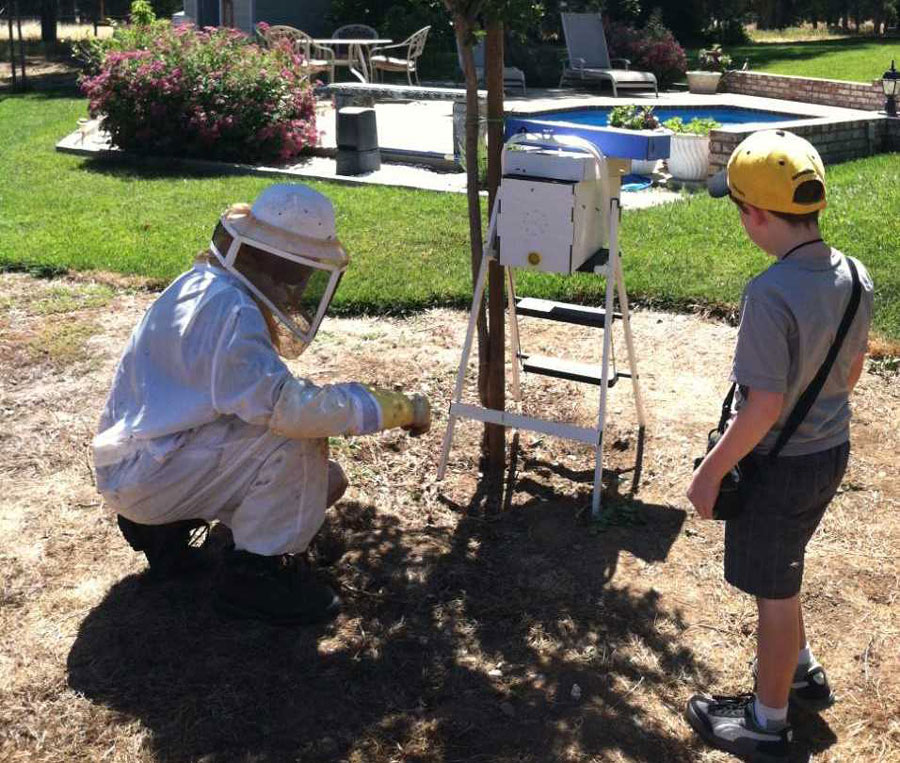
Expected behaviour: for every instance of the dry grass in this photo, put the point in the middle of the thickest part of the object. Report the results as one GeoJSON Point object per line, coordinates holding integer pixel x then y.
{"type": "Point", "coordinates": [31, 30]}
{"type": "Point", "coordinates": [467, 625]}
{"type": "Point", "coordinates": [806, 33]}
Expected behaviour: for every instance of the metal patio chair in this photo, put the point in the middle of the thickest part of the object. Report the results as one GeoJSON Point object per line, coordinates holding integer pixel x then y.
{"type": "Point", "coordinates": [512, 76]}
{"type": "Point", "coordinates": [350, 32]}
{"type": "Point", "coordinates": [382, 60]}
{"type": "Point", "coordinates": [589, 56]}
{"type": "Point", "coordinates": [317, 58]}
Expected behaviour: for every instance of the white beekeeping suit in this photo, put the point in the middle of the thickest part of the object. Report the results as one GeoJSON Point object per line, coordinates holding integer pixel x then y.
{"type": "Point", "coordinates": [205, 421]}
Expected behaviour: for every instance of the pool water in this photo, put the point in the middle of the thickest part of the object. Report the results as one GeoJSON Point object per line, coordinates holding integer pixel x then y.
{"type": "Point", "coordinates": [724, 115]}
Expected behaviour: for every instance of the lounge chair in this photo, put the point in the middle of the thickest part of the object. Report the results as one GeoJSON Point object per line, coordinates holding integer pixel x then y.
{"type": "Point", "coordinates": [589, 57]}
{"type": "Point", "coordinates": [317, 58]}
{"type": "Point", "coordinates": [412, 47]}
{"type": "Point", "coordinates": [512, 76]}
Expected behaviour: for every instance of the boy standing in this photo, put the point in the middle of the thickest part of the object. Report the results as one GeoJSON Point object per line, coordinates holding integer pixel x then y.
{"type": "Point", "coordinates": [790, 317]}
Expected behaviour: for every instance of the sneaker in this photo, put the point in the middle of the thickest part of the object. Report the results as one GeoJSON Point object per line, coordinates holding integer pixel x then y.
{"type": "Point", "coordinates": [810, 689]}
{"type": "Point", "coordinates": [728, 723]}
{"type": "Point", "coordinates": [172, 549]}
{"type": "Point", "coordinates": [281, 590]}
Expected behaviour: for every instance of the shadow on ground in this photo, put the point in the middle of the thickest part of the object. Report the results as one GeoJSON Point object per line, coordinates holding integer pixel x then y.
{"type": "Point", "coordinates": [43, 84]}
{"type": "Point", "coordinates": [455, 645]}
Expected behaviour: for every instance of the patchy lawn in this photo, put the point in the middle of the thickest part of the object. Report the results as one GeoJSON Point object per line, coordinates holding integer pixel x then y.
{"type": "Point", "coordinates": [858, 59]}
{"type": "Point", "coordinates": [467, 626]}
{"type": "Point", "coordinates": [409, 249]}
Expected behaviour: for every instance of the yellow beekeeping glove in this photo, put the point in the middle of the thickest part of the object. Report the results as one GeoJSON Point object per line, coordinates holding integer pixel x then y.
{"type": "Point", "coordinates": [410, 412]}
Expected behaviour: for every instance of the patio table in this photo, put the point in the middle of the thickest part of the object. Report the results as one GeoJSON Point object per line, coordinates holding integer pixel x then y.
{"type": "Point", "coordinates": [359, 50]}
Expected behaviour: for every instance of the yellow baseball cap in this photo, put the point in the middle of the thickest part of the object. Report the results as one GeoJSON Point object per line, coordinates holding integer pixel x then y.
{"type": "Point", "coordinates": [774, 170]}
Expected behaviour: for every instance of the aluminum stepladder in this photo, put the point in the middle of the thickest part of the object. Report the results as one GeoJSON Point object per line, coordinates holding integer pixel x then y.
{"type": "Point", "coordinates": [615, 286]}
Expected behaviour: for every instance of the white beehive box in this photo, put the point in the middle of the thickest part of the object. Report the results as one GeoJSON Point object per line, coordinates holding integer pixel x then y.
{"type": "Point", "coordinates": [553, 213]}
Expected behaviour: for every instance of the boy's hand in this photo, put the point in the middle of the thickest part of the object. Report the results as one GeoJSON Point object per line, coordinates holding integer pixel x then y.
{"type": "Point", "coordinates": [703, 491]}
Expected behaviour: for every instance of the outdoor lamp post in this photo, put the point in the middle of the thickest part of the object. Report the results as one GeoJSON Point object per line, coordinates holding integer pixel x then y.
{"type": "Point", "coordinates": [890, 83]}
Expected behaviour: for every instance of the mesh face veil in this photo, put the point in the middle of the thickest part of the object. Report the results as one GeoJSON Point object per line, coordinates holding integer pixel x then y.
{"type": "Point", "coordinates": [294, 276]}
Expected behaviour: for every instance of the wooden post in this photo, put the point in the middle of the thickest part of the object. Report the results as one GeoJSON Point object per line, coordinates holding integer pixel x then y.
{"type": "Point", "coordinates": [463, 28]}
{"type": "Point", "coordinates": [495, 435]}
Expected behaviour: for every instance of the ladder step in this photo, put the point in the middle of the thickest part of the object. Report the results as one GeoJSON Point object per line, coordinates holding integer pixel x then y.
{"type": "Point", "coordinates": [578, 315]}
{"type": "Point", "coordinates": [571, 370]}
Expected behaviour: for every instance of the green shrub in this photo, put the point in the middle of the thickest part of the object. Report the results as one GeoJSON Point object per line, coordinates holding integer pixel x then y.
{"type": "Point", "coordinates": [631, 117]}
{"type": "Point", "coordinates": [653, 49]}
{"type": "Point", "coordinates": [142, 13]}
{"type": "Point", "coordinates": [714, 59]}
{"type": "Point", "coordinates": [697, 126]}
{"type": "Point", "coordinates": [208, 94]}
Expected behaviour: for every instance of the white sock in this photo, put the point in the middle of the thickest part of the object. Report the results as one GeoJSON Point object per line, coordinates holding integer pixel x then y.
{"type": "Point", "coordinates": [806, 659]}
{"type": "Point", "coordinates": [770, 718]}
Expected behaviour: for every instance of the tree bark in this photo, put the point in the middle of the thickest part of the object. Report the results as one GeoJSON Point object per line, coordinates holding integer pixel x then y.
{"type": "Point", "coordinates": [49, 13]}
{"type": "Point", "coordinates": [23, 82]}
{"type": "Point", "coordinates": [12, 50]}
{"type": "Point", "coordinates": [495, 436]}
{"type": "Point", "coordinates": [463, 29]}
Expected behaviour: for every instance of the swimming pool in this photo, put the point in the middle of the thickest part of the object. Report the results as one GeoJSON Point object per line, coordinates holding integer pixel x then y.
{"type": "Point", "coordinates": [726, 115]}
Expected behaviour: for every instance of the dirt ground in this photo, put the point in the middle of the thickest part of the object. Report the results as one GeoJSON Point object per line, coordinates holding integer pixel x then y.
{"type": "Point", "coordinates": [479, 624]}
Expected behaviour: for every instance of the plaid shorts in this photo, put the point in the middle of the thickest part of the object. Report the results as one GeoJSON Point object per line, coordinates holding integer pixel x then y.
{"type": "Point", "coordinates": [783, 503]}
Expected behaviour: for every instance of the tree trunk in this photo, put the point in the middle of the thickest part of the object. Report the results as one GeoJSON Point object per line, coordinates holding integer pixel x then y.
{"type": "Point", "coordinates": [495, 436]}
{"type": "Point", "coordinates": [49, 14]}
{"type": "Point", "coordinates": [23, 82]}
{"type": "Point", "coordinates": [12, 50]}
{"type": "Point", "coordinates": [462, 29]}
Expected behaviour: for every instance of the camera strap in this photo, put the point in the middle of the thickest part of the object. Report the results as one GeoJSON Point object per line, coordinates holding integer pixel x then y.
{"type": "Point", "coordinates": [805, 401]}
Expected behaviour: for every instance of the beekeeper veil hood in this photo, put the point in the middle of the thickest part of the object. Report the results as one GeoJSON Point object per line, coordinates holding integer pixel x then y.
{"type": "Point", "coordinates": [285, 249]}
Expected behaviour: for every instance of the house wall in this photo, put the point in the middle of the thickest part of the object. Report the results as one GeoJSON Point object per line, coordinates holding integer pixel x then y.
{"type": "Point", "coordinates": [308, 15]}
{"type": "Point", "coordinates": [828, 92]}
{"type": "Point", "coordinates": [190, 9]}
{"type": "Point", "coordinates": [243, 15]}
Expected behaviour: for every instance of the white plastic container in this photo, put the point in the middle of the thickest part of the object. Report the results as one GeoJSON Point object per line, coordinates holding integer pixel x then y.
{"type": "Point", "coordinates": [553, 209]}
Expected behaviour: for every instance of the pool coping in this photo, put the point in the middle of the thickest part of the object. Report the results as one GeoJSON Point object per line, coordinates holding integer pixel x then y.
{"type": "Point", "coordinates": [839, 133]}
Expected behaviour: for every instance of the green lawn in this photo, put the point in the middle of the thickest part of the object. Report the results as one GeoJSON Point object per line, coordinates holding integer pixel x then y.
{"type": "Point", "coordinates": [409, 248]}
{"type": "Point", "coordinates": [858, 59]}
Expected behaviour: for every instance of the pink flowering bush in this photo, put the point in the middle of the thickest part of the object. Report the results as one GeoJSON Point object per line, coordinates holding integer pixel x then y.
{"type": "Point", "coordinates": [653, 49]}
{"type": "Point", "coordinates": [209, 93]}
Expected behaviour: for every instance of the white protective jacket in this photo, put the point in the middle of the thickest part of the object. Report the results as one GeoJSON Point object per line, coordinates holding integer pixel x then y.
{"type": "Point", "coordinates": [202, 351]}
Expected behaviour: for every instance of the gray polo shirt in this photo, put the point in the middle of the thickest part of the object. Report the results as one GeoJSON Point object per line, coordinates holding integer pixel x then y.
{"type": "Point", "coordinates": [790, 314]}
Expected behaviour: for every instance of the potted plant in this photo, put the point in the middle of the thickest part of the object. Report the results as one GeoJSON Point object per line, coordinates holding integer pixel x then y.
{"type": "Point", "coordinates": [631, 117]}
{"type": "Point", "coordinates": [713, 64]}
{"type": "Point", "coordinates": [689, 151]}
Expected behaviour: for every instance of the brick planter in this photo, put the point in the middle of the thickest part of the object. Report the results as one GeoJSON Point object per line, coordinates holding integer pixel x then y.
{"type": "Point", "coordinates": [828, 92]}
{"type": "Point", "coordinates": [836, 140]}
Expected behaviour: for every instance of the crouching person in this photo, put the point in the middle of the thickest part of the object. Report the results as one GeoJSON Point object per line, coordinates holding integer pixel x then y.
{"type": "Point", "coordinates": [205, 422]}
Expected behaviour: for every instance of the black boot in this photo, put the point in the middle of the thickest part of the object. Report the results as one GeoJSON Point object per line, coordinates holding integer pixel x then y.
{"type": "Point", "coordinates": [172, 549]}
{"type": "Point", "coordinates": [281, 590]}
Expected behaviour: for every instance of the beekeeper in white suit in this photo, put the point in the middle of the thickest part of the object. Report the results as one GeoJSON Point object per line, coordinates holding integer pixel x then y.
{"type": "Point", "coordinates": [204, 420]}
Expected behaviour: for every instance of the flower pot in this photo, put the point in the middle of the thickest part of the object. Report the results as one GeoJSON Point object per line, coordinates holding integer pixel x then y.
{"type": "Point", "coordinates": [703, 82]}
{"type": "Point", "coordinates": [643, 166]}
{"type": "Point", "coordinates": [689, 157]}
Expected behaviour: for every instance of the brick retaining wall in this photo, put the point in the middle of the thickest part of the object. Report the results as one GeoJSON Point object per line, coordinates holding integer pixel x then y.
{"type": "Point", "coordinates": [836, 141]}
{"type": "Point", "coordinates": [828, 92]}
